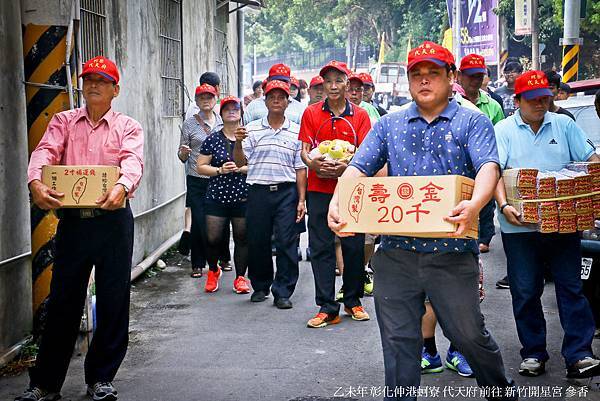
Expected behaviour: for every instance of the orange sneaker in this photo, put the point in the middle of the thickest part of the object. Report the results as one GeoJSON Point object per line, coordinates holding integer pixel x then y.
{"type": "Point", "coordinates": [323, 319]}
{"type": "Point", "coordinates": [240, 285]}
{"type": "Point", "coordinates": [212, 281]}
{"type": "Point", "coordinates": [357, 313]}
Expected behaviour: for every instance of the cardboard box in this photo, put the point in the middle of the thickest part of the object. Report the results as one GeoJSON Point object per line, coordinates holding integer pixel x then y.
{"type": "Point", "coordinates": [408, 206]}
{"type": "Point", "coordinates": [82, 185]}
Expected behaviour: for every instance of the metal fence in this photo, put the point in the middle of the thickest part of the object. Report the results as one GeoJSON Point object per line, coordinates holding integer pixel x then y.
{"type": "Point", "coordinates": [170, 58]}
{"type": "Point", "coordinates": [221, 64]}
{"type": "Point", "coordinates": [314, 59]}
{"type": "Point", "coordinates": [93, 28]}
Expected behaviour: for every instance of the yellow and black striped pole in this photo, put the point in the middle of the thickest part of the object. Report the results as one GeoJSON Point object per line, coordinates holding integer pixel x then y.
{"type": "Point", "coordinates": [570, 62]}
{"type": "Point", "coordinates": [44, 48]}
{"type": "Point", "coordinates": [503, 58]}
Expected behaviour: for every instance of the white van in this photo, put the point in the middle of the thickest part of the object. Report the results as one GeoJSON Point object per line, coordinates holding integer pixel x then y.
{"type": "Point", "coordinates": [391, 84]}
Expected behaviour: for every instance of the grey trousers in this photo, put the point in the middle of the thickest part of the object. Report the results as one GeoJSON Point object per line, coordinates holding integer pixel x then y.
{"type": "Point", "coordinates": [402, 278]}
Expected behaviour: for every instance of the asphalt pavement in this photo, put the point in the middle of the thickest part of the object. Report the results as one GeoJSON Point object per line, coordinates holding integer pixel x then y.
{"type": "Point", "coordinates": [186, 344]}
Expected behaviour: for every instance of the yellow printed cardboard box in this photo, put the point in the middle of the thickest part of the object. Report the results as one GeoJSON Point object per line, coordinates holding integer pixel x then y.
{"type": "Point", "coordinates": [410, 206]}
{"type": "Point", "coordinates": [82, 185]}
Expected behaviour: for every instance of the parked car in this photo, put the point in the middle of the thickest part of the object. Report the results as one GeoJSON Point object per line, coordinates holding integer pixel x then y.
{"type": "Point", "coordinates": [391, 84]}
{"type": "Point", "coordinates": [582, 107]}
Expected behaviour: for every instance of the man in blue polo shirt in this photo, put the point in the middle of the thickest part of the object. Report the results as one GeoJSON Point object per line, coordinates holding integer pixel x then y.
{"type": "Point", "coordinates": [536, 138]}
{"type": "Point", "coordinates": [434, 136]}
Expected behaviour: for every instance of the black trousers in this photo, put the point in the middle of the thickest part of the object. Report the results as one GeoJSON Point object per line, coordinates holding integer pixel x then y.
{"type": "Point", "coordinates": [196, 198]}
{"type": "Point", "coordinates": [196, 188]}
{"type": "Point", "coordinates": [105, 242]}
{"type": "Point", "coordinates": [322, 247]}
{"type": "Point", "coordinates": [272, 210]}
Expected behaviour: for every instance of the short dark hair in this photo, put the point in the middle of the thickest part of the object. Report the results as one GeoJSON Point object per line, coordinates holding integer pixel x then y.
{"type": "Point", "coordinates": [513, 66]}
{"type": "Point", "coordinates": [256, 84]}
{"type": "Point", "coordinates": [553, 78]}
{"type": "Point", "coordinates": [211, 78]}
{"type": "Point", "coordinates": [565, 87]}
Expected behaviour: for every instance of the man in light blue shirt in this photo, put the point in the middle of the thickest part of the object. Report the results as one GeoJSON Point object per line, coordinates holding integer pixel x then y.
{"type": "Point", "coordinates": [536, 138]}
{"type": "Point", "coordinates": [257, 109]}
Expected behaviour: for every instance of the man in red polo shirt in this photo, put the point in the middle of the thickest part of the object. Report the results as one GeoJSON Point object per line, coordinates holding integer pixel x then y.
{"type": "Point", "coordinates": [333, 118]}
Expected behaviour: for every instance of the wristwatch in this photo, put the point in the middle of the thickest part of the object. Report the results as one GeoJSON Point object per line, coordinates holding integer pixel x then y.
{"type": "Point", "coordinates": [502, 207]}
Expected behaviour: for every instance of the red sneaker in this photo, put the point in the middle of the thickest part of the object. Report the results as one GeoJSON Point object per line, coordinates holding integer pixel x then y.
{"type": "Point", "coordinates": [240, 285]}
{"type": "Point", "coordinates": [212, 281]}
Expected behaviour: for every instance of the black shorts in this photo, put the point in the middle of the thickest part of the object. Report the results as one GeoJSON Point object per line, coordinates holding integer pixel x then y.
{"type": "Point", "coordinates": [233, 210]}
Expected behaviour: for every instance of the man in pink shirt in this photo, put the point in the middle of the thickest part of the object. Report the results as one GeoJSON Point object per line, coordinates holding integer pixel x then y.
{"type": "Point", "coordinates": [101, 237]}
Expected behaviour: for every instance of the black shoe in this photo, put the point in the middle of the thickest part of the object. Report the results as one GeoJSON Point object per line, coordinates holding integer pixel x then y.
{"type": "Point", "coordinates": [184, 243]}
{"type": "Point", "coordinates": [586, 367]}
{"type": "Point", "coordinates": [37, 394]}
{"type": "Point", "coordinates": [104, 391]}
{"type": "Point", "coordinates": [283, 303]}
{"type": "Point", "coordinates": [503, 283]}
{"type": "Point", "coordinates": [258, 296]}
{"type": "Point", "coordinates": [225, 265]}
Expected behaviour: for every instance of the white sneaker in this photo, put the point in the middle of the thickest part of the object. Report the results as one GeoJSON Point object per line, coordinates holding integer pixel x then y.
{"type": "Point", "coordinates": [532, 367]}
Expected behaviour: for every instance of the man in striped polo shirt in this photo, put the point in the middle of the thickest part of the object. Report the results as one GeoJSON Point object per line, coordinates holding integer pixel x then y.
{"type": "Point", "coordinates": [277, 178]}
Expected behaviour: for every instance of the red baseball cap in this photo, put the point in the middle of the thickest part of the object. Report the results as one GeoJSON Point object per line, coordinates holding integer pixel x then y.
{"type": "Point", "coordinates": [432, 52]}
{"type": "Point", "coordinates": [472, 64]}
{"type": "Point", "coordinates": [272, 85]}
{"type": "Point", "coordinates": [294, 81]}
{"type": "Point", "coordinates": [280, 72]}
{"type": "Point", "coordinates": [206, 88]}
{"type": "Point", "coordinates": [102, 66]}
{"type": "Point", "coordinates": [366, 78]}
{"type": "Point", "coordinates": [532, 84]}
{"type": "Point", "coordinates": [356, 77]}
{"type": "Point", "coordinates": [315, 81]}
{"type": "Point", "coordinates": [335, 65]}
{"type": "Point", "coordinates": [229, 99]}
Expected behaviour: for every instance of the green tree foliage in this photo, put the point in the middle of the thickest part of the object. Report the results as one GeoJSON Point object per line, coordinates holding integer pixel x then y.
{"type": "Point", "coordinates": [300, 25]}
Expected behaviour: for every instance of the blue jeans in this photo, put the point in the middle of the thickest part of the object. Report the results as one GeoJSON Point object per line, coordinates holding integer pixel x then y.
{"type": "Point", "coordinates": [525, 254]}
{"type": "Point", "coordinates": [486, 223]}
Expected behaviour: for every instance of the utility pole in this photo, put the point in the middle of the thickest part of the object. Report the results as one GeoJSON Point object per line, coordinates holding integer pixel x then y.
{"type": "Point", "coordinates": [456, 21]}
{"type": "Point", "coordinates": [571, 40]}
{"type": "Point", "coordinates": [254, 66]}
{"type": "Point", "coordinates": [535, 36]}
{"type": "Point", "coordinates": [503, 44]}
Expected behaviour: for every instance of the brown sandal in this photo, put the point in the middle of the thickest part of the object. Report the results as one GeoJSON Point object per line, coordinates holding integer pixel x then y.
{"type": "Point", "coordinates": [196, 272]}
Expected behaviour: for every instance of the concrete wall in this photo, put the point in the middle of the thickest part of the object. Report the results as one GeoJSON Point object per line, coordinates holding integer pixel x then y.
{"type": "Point", "coordinates": [133, 38]}
{"type": "Point", "coordinates": [134, 43]}
{"type": "Point", "coordinates": [15, 277]}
